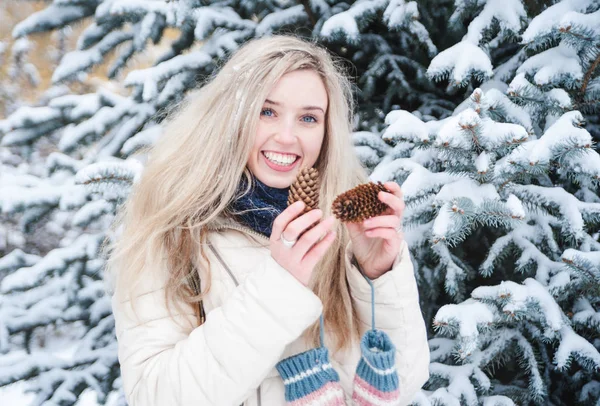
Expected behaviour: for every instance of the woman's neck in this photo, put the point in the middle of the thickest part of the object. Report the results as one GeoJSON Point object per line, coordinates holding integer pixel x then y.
{"type": "Point", "coordinates": [260, 206]}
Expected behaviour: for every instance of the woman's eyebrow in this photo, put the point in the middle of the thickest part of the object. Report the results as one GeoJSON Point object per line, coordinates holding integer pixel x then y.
{"type": "Point", "coordinates": [303, 108]}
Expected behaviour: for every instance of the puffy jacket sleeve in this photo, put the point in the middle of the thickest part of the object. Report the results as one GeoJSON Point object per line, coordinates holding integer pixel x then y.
{"type": "Point", "coordinates": [220, 362]}
{"type": "Point", "coordinates": [397, 312]}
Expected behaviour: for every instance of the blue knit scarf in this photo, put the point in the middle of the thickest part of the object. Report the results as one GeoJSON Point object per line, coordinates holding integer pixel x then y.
{"type": "Point", "coordinates": [269, 201]}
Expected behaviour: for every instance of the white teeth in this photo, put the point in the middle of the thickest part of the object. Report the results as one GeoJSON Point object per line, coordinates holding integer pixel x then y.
{"type": "Point", "coordinates": [280, 159]}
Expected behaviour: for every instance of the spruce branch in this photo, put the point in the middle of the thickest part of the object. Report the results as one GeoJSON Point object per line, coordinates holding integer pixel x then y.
{"type": "Point", "coordinates": [311, 15]}
{"type": "Point", "coordinates": [588, 74]}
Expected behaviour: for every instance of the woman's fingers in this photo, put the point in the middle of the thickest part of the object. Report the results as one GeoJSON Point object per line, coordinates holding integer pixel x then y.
{"type": "Point", "coordinates": [286, 216]}
{"type": "Point", "coordinates": [385, 233]}
{"type": "Point", "coordinates": [392, 221]}
{"type": "Point", "coordinates": [309, 238]}
{"type": "Point", "coordinates": [392, 200]}
{"type": "Point", "coordinates": [296, 227]}
{"type": "Point", "coordinates": [318, 250]}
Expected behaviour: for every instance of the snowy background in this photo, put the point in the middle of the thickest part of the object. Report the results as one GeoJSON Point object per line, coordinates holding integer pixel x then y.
{"type": "Point", "coordinates": [485, 111]}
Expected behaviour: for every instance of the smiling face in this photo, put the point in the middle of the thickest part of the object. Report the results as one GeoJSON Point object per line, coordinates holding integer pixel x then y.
{"type": "Point", "coordinates": [290, 130]}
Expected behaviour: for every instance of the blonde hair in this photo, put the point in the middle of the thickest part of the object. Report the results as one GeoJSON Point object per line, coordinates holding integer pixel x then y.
{"type": "Point", "coordinates": [190, 177]}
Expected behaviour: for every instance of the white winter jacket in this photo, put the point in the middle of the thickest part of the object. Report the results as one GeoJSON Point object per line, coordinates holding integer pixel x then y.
{"type": "Point", "coordinates": [256, 313]}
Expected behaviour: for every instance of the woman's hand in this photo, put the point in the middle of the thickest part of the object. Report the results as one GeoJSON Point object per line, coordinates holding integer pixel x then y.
{"type": "Point", "coordinates": [301, 259]}
{"type": "Point", "coordinates": [376, 241]}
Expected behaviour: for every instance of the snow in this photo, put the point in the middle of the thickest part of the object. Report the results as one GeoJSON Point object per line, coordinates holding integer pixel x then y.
{"type": "Point", "coordinates": [561, 97]}
{"type": "Point", "coordinates": [573, 344]}
{"type": "Point", "coordinates": [462, 188]}
{"type": "Point", "coordinates": [112, 8]}
{"type": "Point", "coordinates": [548, 19]}
{"type": "Point", "coordinates": [140, 115]}
{"type": "Point", "coordinates": [515, 206]}
{"type": "Point", "coordinates": [496, 135]}
{"type": "Point", "coordinates": [587, 21]}
{"type": "Point", "coordinates": [22, 45]}
{"type": "Point", "coordinates": [145, 30]}
{"type": "Point", "coordinates": [15, 198]}
{"type": "Point", "coordinates": [346, 20]}
{"type": "Point", "coordinates": [559, 281]}
{"type": "Point", "coordinates": [143, 138]}
{"type": "Point", "coordinates": [372, 140]}
{"type": "Point", "coordinates": [341, 22]}
{"type": "Point", "coordinates": [513, 112]}
{"type": "Point", "coordinates": [553, 64]}
{"type": "Point", "coordinates": [452, 62]}
{"type": "Point", "coordinates": [96, 126]}
{"type": "Point", "coordinates": [442, 221]}
{"type": "Point", "coordinates": [174, 87]}
{"type": "Point", "coordinates": [129, 169]}
{"type": "Point", "coordinates": [418, 180]}
{"type": "Point", "coordinates": [28, 116]}
{"type": "Point", "coordinates": [584, 313]}
{"type": "Point", "coordinates": [281, 18]}
{"type": "Point", "coordinates": [404, 125]}
{"type": "Point", "coordinates": [400, 14]}
{"type": "Point", "coordinates": [518, 297]}
{"type": "Point", "coordinates": [507, 13]}
{"type": "Point", "coordinates": [507, 70]}
{"type": "Point", "coordinates": [570, 208]}
{"type": "Point", "coordinates": [208, 18]}
{"type": "Point", "coordinates": [54, 15]}
{"type": "Point", "coordinates": [592, 257]}
{"type": "Point", "coordinates": [15, 394]}
{"type": "Point", "coordinates": [78, 61]}
{"type": "Point", "coordinates": [497, 401]}
{"type": "Point", "coordinates": [544, 148]}
{"type": "Point", "coordinates": [455, 133]}
{"type": "Point", "coordinates": [28, 277]}
{"type": "Point", "coordinates": [519, 82]}
{"type": "Point", "coordinates": [17, 258]}
{"type": "Point", "coordinates": [149, 77]}
{"type": "Point", "coordinates": [460, 386]}
{"type": "Point", "coordinates": [470, 188]}
{"type": "Point", "coordinates": [367, 155]}
{"type": "Point", "coordinates": [92, 211]}
{"type": "Point", "coordinates": [550, 146]}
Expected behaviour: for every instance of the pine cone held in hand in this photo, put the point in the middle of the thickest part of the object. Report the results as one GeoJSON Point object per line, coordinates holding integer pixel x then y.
{"type": "Point", "coordinates": [305, 188]}
{"type": "Point", "coordinates": [359, 203]}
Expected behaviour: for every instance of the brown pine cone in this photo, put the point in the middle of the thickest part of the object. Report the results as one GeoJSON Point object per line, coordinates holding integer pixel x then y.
{"type": "Point", "coordinates": [305, 188]}
{"type": "Point", "coordinates": [359, 203]}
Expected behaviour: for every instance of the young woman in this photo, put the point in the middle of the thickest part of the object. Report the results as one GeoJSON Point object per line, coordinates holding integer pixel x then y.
{"type": "Point", "coordinates": [209, 214]}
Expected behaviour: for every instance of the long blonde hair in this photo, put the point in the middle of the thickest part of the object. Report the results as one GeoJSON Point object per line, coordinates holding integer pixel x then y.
{"type": "Point", "coordinates": [195, 167]}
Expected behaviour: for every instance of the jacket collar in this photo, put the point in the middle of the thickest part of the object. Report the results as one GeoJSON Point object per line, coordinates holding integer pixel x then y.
{"type": "Point", "coordinates": [221, 222]}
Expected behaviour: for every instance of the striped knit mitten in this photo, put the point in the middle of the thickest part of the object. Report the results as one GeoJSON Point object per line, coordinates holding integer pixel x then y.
{"type": "Point", "coordinates": [310, 379]}
{"type": "Point", "coordinates": [376, 379]}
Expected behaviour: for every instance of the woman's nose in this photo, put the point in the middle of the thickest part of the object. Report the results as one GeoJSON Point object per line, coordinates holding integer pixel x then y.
{"type": "Point", "coordinates": [286, 134]}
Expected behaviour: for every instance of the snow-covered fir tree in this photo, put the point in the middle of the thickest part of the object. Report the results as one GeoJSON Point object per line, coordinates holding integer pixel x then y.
{"type": "Point", "coordinates": [515, 254]}
{"type": "Point", "coordinates": [481, 110]}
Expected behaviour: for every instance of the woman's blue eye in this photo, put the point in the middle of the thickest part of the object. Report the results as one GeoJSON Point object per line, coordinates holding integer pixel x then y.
{"type": "Point", "coordinates": [265, 110]}
{"type": "Point", "coordinates": [268, 110]}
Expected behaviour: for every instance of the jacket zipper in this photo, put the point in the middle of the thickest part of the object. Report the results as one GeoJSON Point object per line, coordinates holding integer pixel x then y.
{"type": "Point", "coordinates": [218, 255]}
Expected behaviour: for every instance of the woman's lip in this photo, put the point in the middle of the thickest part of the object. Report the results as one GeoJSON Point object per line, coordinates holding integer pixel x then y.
{"type": "Point", "coordinates": [282, 153]}
{"type": "Point", "coordinates": [280, 168]}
